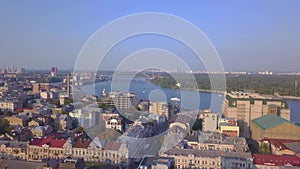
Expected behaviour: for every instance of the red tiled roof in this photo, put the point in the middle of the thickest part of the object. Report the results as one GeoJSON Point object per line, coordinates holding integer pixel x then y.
{"type": "Point", "coordinates": [54, 135]}
{"type": "Point", "coordinates": [82, 143]}
{"type": "Point", "coordinates": [276, 160]}
{"type": "Point", "coordinates": [280, 143]}
{"type": "Point", "coordinates": [49, 141]}
{"type": "Point", "coordinates": [115, 146]}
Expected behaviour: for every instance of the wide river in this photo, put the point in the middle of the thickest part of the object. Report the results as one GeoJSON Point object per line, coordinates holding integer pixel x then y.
{"type": "Point", "coordinates": [190, 99]}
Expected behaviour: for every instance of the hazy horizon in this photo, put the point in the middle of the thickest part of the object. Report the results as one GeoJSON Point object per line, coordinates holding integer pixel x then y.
{"type": "Point", "coordinates": [249, 36]}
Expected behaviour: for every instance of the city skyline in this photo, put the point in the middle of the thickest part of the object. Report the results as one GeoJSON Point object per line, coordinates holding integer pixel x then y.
{"type": "Point", "coordinates": [248, 36]}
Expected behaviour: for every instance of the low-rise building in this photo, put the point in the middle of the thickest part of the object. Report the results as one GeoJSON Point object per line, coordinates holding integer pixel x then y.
{"type": "Point", "coordinates": [13, 150]}
{"type": "Point", "coordinates": [216, 142]}
{"type": "Point", "coordinates": [71, 164]}
{"type": "Point", "coordinates": [190, 158]}
{"type": "Point", "coordinates": [15, 120]}
{"type": "Point", "coordinates": [80, 147]}
{"type": "Point", "coordinates": [156, 162]}
{"type": "Point", "coordinates": [40, 131]}
{"type": "Point", "coordinates": [209, 120]}
{"type": "Point", "coordinates": [112, 121]}
{"type": "Point", "coordinates": [282, 146]}
{"type": "Point", "coordinates": [63, 122]}
{"type": "Point", "coordinates": [228, 127]}
{"type": "Point", "coordinates": [35, 122]}
{"type": "Point", "coordinates": [43, 148]}
{"type": "Point", "coordinates": [272, 126]}
{"type": "Point", "coordinates": [10, 105]}
{"type": "Point", "coordinates": [86, 115]}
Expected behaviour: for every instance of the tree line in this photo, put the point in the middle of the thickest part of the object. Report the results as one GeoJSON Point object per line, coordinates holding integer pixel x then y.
{"type": "Point", "coordinates": [284, 85]}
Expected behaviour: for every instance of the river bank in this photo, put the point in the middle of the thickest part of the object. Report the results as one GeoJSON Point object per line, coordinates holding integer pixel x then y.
{"type": "Point", "coordinates": [289, 97]}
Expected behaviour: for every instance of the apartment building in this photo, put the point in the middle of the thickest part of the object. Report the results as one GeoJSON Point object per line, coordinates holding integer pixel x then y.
{"type": "Point", "coordinates": [123, 100]}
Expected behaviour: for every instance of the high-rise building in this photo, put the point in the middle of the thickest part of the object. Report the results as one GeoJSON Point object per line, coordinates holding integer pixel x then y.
{"type": "Point", "coordinates": [12, 69]}
{"type": "Point", "coordinates": [21, 70]}
{"type": "Point", "coordinates": [245, 107]}
{"type": "Point", "coordinates": [53, 71]}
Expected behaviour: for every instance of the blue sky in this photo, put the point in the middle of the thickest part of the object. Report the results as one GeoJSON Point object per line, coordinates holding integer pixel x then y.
{"type": "Point", "coordinates": [248, 35]}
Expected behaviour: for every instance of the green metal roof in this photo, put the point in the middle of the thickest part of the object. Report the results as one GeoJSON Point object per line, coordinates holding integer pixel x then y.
{"type": "Point", "coordinates": [269, 121]}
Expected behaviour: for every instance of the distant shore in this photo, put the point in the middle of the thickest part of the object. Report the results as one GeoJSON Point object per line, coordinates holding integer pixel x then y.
{"type": "Point", "coordinates": [206, 91]}
{"type": "Point", "coordinates": [289, 97]}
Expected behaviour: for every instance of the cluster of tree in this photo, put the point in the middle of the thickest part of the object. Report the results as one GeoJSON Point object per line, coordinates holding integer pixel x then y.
{"type": "Point", "coordinates": [49, 80]}
{"type": "Point", "coordinates": [55, 102]}
{"type": "Point", "coordinates": [197, 125]}
{"type": "Point", "coordinates": [264, 149]}
{"type": "Point", "coordinates": [285, 85]}
{"type": "Point", "coordinates": [103, 106]}
{"type": "Point", "coordinates": [168, 82]}
{"type": "Point", "coordinates": [4, 126]}
{"type": "Point", "coordinates": [68, 101]}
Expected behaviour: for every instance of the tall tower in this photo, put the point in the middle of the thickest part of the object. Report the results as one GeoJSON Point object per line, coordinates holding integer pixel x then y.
{"type": "Point", "coordinates": [68, 86]}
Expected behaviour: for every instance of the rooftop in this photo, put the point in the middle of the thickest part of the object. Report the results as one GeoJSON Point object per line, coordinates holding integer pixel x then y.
{"type": "Point", "coordinates": [269, 121]}
{"type": "Point", "coordinates": [276, 160]}
{"type": "Point", "coordinates": [149, 161]}
{"type": "Point", "coordinates": [115, 146]}
{"type": "Point", "coordinates": [252, 97]}
{"type": "Point", "coordinates": [15, 144]}
{"type": "Point", "coordinates": [20, 164]}
{"type": "Point", "coordinates": [82, 143]}
{"type": "Point", "coordinates": [284, 144]}
{"type": "Point", "coordinates": [207, 153]}
{"type": "Point", "coordinates": [57, 143]}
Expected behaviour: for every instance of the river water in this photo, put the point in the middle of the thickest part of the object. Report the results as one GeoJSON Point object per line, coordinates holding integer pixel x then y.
{"type": "Point", "coordinates": [144, 89]}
